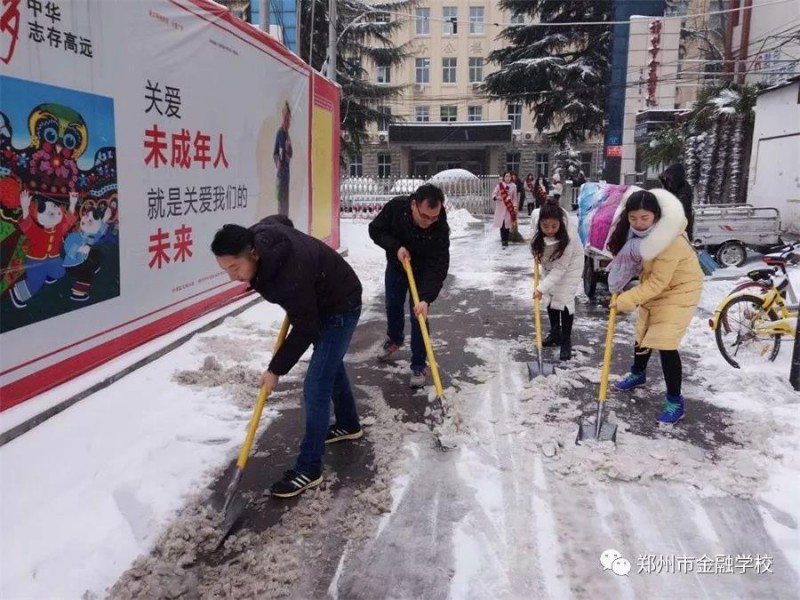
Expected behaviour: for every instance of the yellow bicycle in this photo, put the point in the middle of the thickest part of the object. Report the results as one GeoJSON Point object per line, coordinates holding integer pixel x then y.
{"type": "Point", "coordinates": [750, 322]}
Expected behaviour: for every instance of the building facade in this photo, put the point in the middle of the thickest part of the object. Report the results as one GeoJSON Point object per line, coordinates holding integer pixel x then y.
{"type": "Point", "coordinates": [695, 44]}
{"type": "Point", "coordinates": [618, 88]}
{"type": "Point", "coordinates": [443, 121]}
{"type": "Point", "coordinates": [651, 95]}
{"type": "Point", "coordinates": [765, 41]}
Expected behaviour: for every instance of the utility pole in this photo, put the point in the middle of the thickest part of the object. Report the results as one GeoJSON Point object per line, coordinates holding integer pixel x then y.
{"type": "Point", "coordinates": [332, 40]}
{"type": "Point", "coordinates": [263, 7]}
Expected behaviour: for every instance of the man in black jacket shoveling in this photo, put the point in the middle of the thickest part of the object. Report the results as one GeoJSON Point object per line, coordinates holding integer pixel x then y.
{"type": "Point", "coordinates": [413, 227]}
{"type": "Point", "coordinates": [321, 295]}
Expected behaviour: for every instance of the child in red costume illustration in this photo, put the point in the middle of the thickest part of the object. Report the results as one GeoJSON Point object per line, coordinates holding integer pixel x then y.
{"type": "Point", "coordinates": [44, 238]}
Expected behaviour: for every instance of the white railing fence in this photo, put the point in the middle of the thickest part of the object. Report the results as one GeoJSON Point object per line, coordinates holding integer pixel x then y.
{"type": "Point", "coordinates": [363, 197]}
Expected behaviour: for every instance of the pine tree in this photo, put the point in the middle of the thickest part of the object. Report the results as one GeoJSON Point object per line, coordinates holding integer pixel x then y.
{"type": "Point", "coordinates": [568, 162]}
{"type": "Point", "coordinates": [562, 73]}
{"type": "Point", "coordinates": [365, 34]}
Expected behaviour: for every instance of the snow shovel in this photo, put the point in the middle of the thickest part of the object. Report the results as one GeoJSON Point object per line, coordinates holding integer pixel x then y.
{"type": "Point", "coordinates": [538, 368]}
{"type": "Point", "coordinates": [426, 338]}
{"type": "Point", "coordinates": [230, 504]}
{"type": "Point", "coordinates": [599, 429]}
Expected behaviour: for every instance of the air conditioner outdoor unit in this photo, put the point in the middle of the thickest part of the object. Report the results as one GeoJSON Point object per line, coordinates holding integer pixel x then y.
{"type": "Point", "coordinates": [419, 87]}
{"type": "Point", "coordinates": [476, 85]}
{"type": "Point", "coordinates": [383, 137]}
{"type": "Point", "coordinates": [516, 137]}
{"type": "Point", "coordinates": [528, 136]}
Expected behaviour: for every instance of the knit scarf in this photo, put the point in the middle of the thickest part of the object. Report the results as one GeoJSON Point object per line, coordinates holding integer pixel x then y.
{"type": "Point", "coordinates": [627, 264]}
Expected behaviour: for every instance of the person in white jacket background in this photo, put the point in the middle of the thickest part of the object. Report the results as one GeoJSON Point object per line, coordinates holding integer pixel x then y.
{"type": "Point", "coordinates": [558, 249]}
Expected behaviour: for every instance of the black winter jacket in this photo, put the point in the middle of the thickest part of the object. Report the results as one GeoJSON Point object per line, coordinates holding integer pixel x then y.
{"type": "Point", "coordinates": [307, 278]}
{"type": "Point", "coordinates": [394, 228]}
{"type": "Point", "coordinates": [674, 180]}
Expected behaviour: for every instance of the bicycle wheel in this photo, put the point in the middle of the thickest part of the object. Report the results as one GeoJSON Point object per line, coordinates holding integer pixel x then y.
{"type": "Point", "coordinates": [737, 334]}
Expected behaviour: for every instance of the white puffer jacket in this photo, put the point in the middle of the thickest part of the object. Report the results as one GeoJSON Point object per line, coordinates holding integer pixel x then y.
{"type": "Point", "coordinates": [561, 279]}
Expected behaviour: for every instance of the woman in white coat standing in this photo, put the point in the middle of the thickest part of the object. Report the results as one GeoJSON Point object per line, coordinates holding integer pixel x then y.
{"type": "Point", "coordinates": [505, 207]}
{"type": "Point", "coordinates": [558, 249]}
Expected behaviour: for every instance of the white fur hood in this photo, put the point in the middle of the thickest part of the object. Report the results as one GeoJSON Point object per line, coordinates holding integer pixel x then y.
{"type": "Point", "coordinates": [671, 225]}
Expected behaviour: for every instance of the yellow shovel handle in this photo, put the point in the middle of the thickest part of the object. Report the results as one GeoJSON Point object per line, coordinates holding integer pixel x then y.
{"type": "Point", "coordinates": [537, 314]}
{"type": "Point", "coordinates": [612, 318]}
{"type": "Point", "coordinates": [426, 338]}
{"type": "Point", "coordinates": [263, 394]}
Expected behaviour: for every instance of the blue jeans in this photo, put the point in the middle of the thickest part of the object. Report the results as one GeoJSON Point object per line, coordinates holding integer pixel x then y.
{"type": "Point", "coordinates": [37, 272]}
{"type": "Point", "coordinates": [327, 380]}
{"type": "Point", "coordinates": [396, 292]}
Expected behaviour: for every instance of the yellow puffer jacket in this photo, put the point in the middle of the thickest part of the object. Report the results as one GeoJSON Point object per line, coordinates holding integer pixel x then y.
{"type": "Point", "coordinates": [671, 281]}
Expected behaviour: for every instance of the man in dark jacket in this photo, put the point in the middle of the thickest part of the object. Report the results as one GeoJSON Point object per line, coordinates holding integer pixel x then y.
{"type": "Point", "coordinates": [413, 227]}
{"type": "Point", "coordinates": [321, 295]}
{"type": "Point", "coordinates": [674, 180]}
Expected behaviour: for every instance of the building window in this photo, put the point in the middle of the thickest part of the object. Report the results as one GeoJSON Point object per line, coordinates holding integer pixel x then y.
{"type": "Point", "coordinates": [383, 74]}
{"type": "Point", "coordinates": [382, 17]}
{"type": "Point", "coordinates": [542, 164]}
{"type": "Point", "coordinates": [423, 114]}
{"type": "Point", "coordinates": [449, 70]}
{"type": "Point", "coordinates": [586, 164]}
{"type": "Point", "coordinates": [448, 114]}
{"type": "Point", "coordinates": [423, 18]}
{"type": "Point", "coordinates": [474, 113]}
{"type": "Point", "coordinates": [385, 119]}
{"type": "Point", "coordinates": [475, 70]}
{"type": "Point", "coordinates": [450, 20]}
{"type": "Point", "coordinates": [356, 165]}
{"type": "Point", "coordinates": [423, 70]}
{"type": "Point", "coordinates": [515, 116]}
{"type": "Point", "coordinates": [384, 165]}
{"type": "Point", "coordinates": [512, 161]}
{"type": "Point", "coordinates": [476, 19]}
{"type": "Point", "coordinates": [517, 18]}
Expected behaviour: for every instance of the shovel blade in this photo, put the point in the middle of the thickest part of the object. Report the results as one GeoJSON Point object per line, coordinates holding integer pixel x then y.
{"type": "Point", "coordinates": [587, 431]}
{"type": "Point", "coordinates": [535, 371]}
{"type": "Point", "coordinates": [231, 517]}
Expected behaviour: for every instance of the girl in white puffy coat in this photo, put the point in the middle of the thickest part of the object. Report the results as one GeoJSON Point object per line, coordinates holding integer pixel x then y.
{"type": "Point", "coordinates": [558, 249]}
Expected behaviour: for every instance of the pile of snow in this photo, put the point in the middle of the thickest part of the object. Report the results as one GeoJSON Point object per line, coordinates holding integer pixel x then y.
{"type": "Point", "coordinates": [460, 220]}
{"type": "Point", "coordinates": [270, 564]}
{"type": "Point", "coordinates": [450, 175]}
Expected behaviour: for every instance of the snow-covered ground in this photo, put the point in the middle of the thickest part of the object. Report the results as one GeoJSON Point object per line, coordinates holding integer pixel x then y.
{"type": "Point", "coordinates": [91, 489]}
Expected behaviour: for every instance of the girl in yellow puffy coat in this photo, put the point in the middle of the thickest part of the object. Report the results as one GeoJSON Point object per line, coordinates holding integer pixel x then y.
{"type": "Point", "coordinates": [668, 292]}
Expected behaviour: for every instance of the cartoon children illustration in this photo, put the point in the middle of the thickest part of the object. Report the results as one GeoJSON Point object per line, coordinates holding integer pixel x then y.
{"type": "Point", "coordinates": [282, 154]}
{"type": "Point", "coordinates": [82, 259]}
{"type": "Point", "coordinates": [44, 238]}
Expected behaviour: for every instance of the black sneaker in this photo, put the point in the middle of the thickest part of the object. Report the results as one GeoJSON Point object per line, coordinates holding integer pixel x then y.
{"type": "Point", "coordinates": [294, 483]}
{"type": "Point", "coordinates": [566, 348]}
{"type": "Point", "coordinates": [553, 338]}
{"type": "Point", "coordinates": [337, 434]}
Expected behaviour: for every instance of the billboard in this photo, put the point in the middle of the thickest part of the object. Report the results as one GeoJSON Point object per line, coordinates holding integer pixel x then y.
{"type": "Point", "coordinates": [129, 133]}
